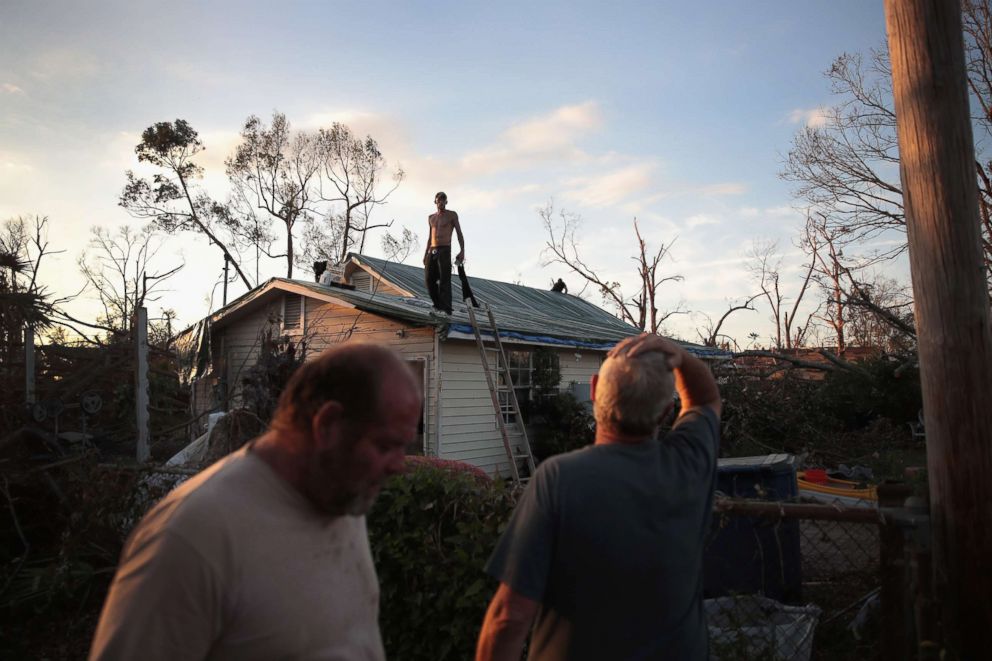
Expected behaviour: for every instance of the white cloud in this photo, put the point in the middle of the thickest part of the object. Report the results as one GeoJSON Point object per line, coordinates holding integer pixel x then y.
{"type": "Point", "coordinates": [10, 88]}
{"type": "Point", "coordinates": [480, 199]}
{"type": "Point", "coordinates": [390, 132]}
{"type": "Point", "coordinates": [811, 117]}
{"type": "Point", "coordinates": [547, 137]}
{"type": "Point", "coordinates": [611, 187]}
{"type": "Point", "coordinates": [555, 130]}
{"type": "Point", "coordinates": [701, 219]}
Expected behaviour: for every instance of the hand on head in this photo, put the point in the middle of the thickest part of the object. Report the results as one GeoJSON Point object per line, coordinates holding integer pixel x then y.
{"type": "Point", "coordinates": [648, 343]}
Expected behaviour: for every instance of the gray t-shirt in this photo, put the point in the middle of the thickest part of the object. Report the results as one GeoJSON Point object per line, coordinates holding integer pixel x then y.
{"type": "Point", "coordinates": [237, 564]}
{"type": "Point", "coordinates": [609, 539]}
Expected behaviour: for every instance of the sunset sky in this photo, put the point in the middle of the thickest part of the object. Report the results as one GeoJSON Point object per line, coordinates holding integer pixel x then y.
{"type": "Point", "coordinates": [678, 114]}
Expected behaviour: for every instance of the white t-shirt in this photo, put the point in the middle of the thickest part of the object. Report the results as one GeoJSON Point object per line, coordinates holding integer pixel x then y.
{"type": "Point", "coordinates": [236, 564]}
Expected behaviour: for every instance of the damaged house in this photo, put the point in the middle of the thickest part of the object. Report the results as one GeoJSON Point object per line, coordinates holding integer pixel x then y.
{"type": "Point", "coordinates": [386, 302]}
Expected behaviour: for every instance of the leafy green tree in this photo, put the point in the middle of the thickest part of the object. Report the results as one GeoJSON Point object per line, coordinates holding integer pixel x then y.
{"type": "Point", "coordinates": [170, 199]}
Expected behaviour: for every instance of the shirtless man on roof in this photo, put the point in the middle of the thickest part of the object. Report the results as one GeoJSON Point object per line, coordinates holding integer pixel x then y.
{"type": "Point", "coordinates": [437, 257]}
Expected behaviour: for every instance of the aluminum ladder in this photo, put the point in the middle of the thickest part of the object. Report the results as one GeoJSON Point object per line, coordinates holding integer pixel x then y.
{"type": "Point", "coordinates": [502, 370]}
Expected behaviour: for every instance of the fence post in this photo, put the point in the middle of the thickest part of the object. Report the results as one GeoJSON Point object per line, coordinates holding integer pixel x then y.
{"type": "Point", "coordinates": [897, 635]}
{"type": "Point", "coordinates": [141, 382]}
{"type": "Point", "coordinates": [29, 387]}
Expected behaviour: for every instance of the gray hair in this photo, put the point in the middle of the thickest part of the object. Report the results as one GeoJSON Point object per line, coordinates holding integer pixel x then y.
{"type": "Point", "coordinates": [632, 394]}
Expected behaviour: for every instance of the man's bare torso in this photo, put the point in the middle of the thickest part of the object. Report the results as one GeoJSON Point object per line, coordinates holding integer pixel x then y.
{"type": "Point", "coordinates": [442, 225]}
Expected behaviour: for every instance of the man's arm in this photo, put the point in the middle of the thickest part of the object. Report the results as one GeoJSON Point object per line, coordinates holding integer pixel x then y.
{"type": "Point", "coordinates": [427, 247]}
{"type": "Point", "coordinates": [162, 603]}
{"type": "Point", "coordinates": [505, 627]}
{"type": "Point", "coordinates": [693, 379]}
{"type": "Point", "coordinates": [461, 239]}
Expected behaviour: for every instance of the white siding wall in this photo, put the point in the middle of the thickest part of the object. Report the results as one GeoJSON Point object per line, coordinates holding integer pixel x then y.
{"type": "Point", "coordinates": [239, 345]}
{"type": "Point", "coordinates": [469, 431]}
{"type": "Point", "coordinates": [326, 325]}
{"type": "Point", "coordinates": [578, 369]}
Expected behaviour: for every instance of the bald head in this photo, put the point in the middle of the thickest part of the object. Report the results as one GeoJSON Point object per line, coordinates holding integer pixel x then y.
{"type": "Point", "coordinates": [353, 374]}
{"type": "Point", "coordinates": [633, 393]}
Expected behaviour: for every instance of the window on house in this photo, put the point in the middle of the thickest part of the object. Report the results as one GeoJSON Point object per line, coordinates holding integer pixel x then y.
{"type": "Point", "coordinates": [523, 365]}
{"type": "Point", "coordinates": [292, 312]}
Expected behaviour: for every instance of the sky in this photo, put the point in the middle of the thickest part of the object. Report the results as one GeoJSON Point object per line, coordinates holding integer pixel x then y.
{"type": "Point", "coordinates": [676, 114]}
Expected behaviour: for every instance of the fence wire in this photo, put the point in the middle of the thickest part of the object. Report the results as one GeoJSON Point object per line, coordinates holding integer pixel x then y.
{"type": "Point", "coordinates": [792, 581]}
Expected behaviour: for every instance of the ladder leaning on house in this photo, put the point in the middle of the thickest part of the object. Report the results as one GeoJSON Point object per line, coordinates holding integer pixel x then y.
{"type": "Point", "coordinates": [493, 376]}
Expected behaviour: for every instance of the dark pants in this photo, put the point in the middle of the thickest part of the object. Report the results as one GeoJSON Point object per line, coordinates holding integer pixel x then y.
{"type": "Point", "coordinates": [438, 275]}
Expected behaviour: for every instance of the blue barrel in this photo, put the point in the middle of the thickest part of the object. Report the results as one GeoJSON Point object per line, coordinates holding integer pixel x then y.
{"type": "Point", "coordinates": [751, 555]}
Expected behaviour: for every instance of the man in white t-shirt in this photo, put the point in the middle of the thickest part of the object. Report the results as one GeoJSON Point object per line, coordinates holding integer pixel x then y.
{"type": "Point", "coordinates": [265, 554]}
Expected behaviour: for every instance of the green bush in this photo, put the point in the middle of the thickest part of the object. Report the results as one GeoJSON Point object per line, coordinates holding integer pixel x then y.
{"type": "Point", "coordinates": [431, 531]}
{"type": "Point", "coordinates": [561, 424]}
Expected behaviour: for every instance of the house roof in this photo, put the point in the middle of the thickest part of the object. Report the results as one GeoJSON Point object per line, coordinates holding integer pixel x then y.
{"type": "Point", "coordinates": [520, 309]}
{"type": "Point", "coordinates": [522, 313]}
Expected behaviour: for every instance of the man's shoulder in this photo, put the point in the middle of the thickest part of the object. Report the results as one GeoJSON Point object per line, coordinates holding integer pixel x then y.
{"type": "Point", "coordinates": [202, 503]}
{"type": "Point", "coordinates": [698, 420]}
{"type": "Point", "coordinates": [575, 460]}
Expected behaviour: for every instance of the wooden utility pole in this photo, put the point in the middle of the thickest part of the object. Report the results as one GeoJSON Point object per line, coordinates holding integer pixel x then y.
{"type": "Point", "coordinates": [937, 163]}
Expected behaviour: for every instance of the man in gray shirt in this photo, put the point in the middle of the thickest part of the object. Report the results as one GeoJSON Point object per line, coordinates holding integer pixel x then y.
{"type": "Point", "coordinates": [605, 547]}
{"type": "Point", "coordinates": [265, 555]}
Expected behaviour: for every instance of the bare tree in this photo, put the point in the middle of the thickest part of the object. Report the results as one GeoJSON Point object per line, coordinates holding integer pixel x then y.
{"type": "Point", "coordinates": [880, 316]}
{"type": "Point", "coordinates": [641, 309]}
{"type": "Point", "coordinates": [117, 271]}
{"type": "Point", "coordinates": [710, 334]}
{"type": "Point", "coordinates": [170, 200]}
{"type": "Point", "coordinates": [846, 167]}
{"type": "Point", "coordinates": [277, 172]}
{"type": "Point", "coordinates": [352, 177]}
{"type": "Point", "coordinates": [397, 249]}
{"type": "Point", "coordinates": [765, 263]}
{"type": "Point", "coordinates": [825, 260]}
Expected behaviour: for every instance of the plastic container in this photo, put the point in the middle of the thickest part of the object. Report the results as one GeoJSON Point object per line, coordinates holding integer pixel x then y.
{"type": "Point", "coordinates": [752, 555]}
{"type": "Point", "coordinates": [816, 475]}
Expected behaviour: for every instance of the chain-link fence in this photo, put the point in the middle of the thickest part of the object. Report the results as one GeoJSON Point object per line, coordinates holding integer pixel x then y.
{"type": "Point", "coordinates": [793, 581]}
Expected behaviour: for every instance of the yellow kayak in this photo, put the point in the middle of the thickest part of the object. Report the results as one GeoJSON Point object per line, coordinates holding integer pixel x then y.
{"type": "Point", "coordinates": [816, 483]}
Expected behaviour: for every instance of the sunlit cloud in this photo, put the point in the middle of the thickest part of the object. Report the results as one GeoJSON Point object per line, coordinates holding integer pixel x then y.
{"type": "Point", "coordinates": [10, 88]}
{"type": "Point", "coordinates": [489, 199]}
{"type": "Point", "coordinates": [701, 219]}
{"type": "Point", "coordinates": [390, 132]}
{"type": "Point", "coordinates": [812, 117]}
{"type": "Point", "coordinates": [546, 137]}
{"type": "Point", "coordinates": [608, 188]}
